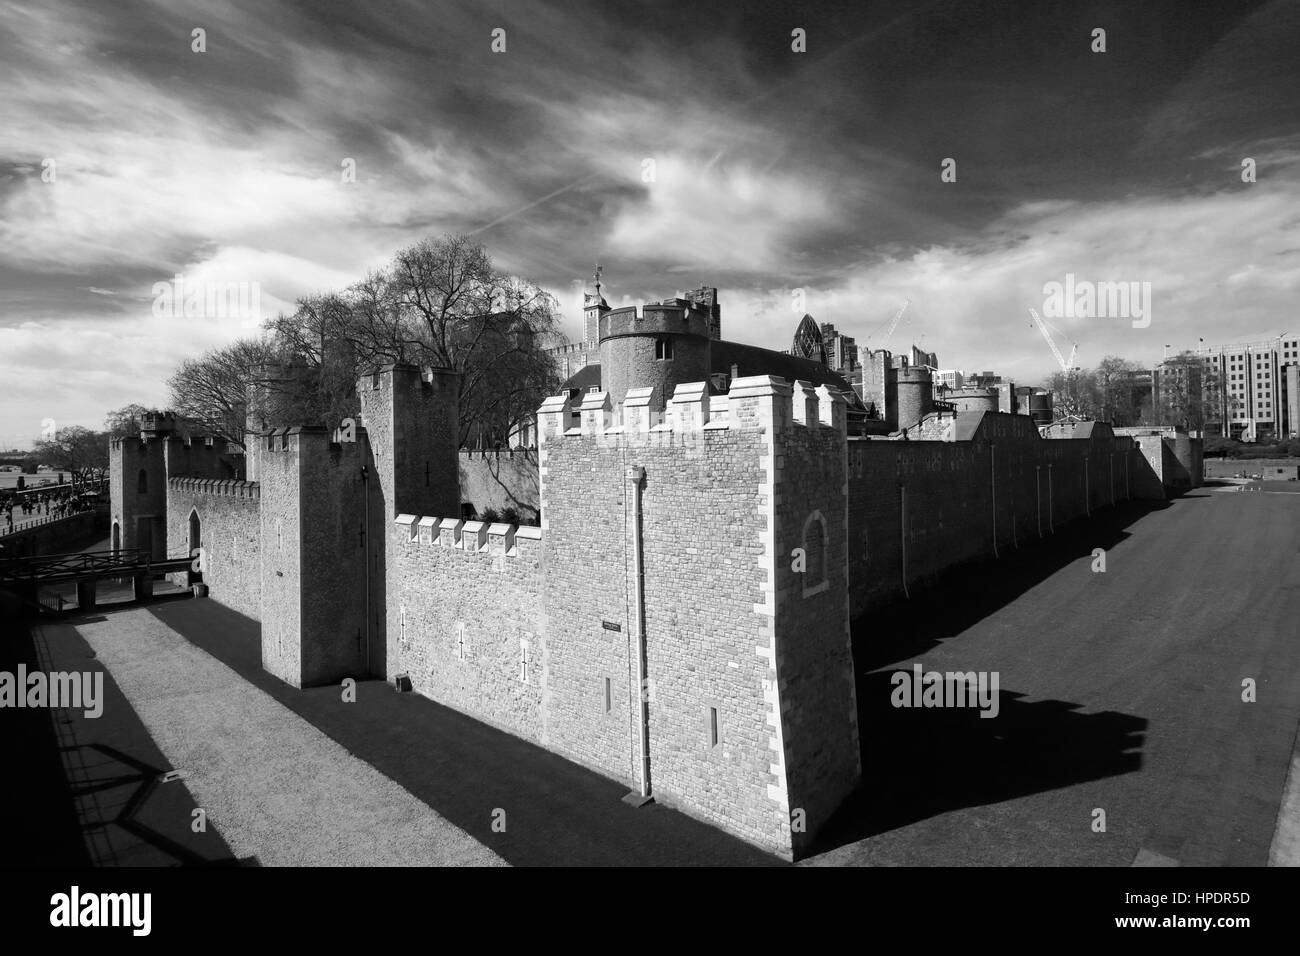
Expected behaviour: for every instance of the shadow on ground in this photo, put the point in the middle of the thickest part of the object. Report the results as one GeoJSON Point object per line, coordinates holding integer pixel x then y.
{"type": "Point", "coordinates": [556, 812]}
{"type": "Point", "coordinates": [88, 791]}
{"type": "Point", "coordinates": [920, 763]}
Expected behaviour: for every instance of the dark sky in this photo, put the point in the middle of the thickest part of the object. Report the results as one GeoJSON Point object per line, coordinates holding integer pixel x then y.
{"type": "Point", "coordinates": [773, 171]}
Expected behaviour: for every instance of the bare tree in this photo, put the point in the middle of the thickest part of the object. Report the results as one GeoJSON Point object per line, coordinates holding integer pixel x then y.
{"type": "Point", "coordinates": [439, 302]}
{"type": "Point", "coordinates": [81, 452]}
{"type": "Point", "coordinates": [1115, 384]}
{"type": "Point", "coordinates": [124, 422]}
{"type": "Point", "coordinates": [489, 326]}
{"type": "Point", "coordinates": [1181, 399]}
{"type": "Point", "coordinates": [1076, 393]}
{"type": "Point", "coordinates": [213, 389]}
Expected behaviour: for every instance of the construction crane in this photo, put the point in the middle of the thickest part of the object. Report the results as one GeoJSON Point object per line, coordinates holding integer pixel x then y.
{"type": "Point", "coordinates": [1069, 404]}
{"type": "Point", "coordinates": [1043, 326]}
{"type": "Point", "coordinates": [893, 324]}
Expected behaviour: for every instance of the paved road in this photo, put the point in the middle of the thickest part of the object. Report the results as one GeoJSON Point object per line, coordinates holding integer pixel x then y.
{"type": "Point", "coordinates": [274, 786]}
{"type": "Point", "coordinates": [88, 790]}
{"type": "Point", "coordinates": [556, 813]}
{"type": "Point", "coordinates": [1120, 691]}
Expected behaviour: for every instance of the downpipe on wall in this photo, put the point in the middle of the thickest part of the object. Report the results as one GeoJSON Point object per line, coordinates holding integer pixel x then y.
{"type": "Point", "coordinates": [365, 555]}
{"type": "Point", "coordinates": [637, 474]}
{"type": "Point", "coordinates": [1038, 491]}
{"type": "Point", "coordinates": [1087, 489]}
{"type": "Point", "coordinates": [902, 533]}
{"type": "Point", "coordinates": [993, 486]}
{"type": "Point", "coordinates": [1051, 514]}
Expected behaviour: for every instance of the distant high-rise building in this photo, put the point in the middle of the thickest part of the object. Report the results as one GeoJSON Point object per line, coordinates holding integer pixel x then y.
{"type": "Point", "coordinates": [841, 350]}
{"type": "Point", "coordinates": [1248, 389]}
{"type": "Point", "coordinates": [949, 378]}
{"type": "Point", "coordinates": [808, 341]}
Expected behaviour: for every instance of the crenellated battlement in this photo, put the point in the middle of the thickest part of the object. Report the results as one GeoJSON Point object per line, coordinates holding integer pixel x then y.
{"type": "Point", "coordinates": [308, 438]}
{"type": "Point", "coordinates": [217, 486]}
{"type": "Point", "coordinates": [483, 454]}
{"type": "Point", "coordinates": [757, 403]}
{"type": "Point", "coordinates": [571, 348]}
{"type": "Point", "coordinates": [670, 317]}
{"type": "Point", "coordinates": [471, 537]}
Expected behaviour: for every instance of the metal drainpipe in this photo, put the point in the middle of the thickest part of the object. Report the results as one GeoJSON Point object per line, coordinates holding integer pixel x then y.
{"type": "Point", "coordinates": [1051, 519]}
{"type": "Point", "coordinates": [1087, 491]}
{"type": "Point", "coordinates": [993, 486]}
{"type": "Point", "coordinates": [638, 622]}
{"type": "Point", "coordinates": [365, 555]}
{"type": "Point", "coordinates": [1038, 491]}
{"type": "Point", "coordinates": [1015, 540]}
{"type": "Point", "coordinates": [902, 532]}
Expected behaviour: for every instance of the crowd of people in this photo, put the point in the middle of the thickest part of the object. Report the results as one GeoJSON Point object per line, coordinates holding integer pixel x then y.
{"type": "Point", "coordinates": [59, 504]}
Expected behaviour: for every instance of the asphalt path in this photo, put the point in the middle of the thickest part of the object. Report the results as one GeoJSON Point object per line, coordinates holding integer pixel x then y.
{"type": "Point", "coordinates": [91, 790]}
{"type": "Point", "coordinates": [1120, 691]}
{"type": "Point", "coordinates": [525, 804]}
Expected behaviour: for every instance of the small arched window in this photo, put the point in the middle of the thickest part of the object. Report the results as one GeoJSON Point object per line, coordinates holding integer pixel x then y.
{"type": "Point", "coordinates": [816, 543]}
{"type": "Point", "coordinates": [142, 482]}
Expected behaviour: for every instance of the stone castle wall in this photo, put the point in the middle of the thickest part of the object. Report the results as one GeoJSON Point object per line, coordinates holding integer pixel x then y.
{"type": "Point", "coordinates": [763, 531]}
{"type": "Point", "coordinates": [230, 526]}
{"type": "Point", "coordinates": [56, 536]}
{"type": "Point", "coordinates": [701, 626]}
{"type": "Point", "coordinates": [811, 678]}
{"type": "Point", "coordinates": [128, 457]}
{"type": "Point", "coordinates": [466, 599]}
{"type": "Point", "coordinates": [322, 571]}
{"type": "Point", "coordinates": [918, 508]}
{"type": "Point", "coordinates": [727, 623]}
{"type": "Point", "coordinates": [160, 457]}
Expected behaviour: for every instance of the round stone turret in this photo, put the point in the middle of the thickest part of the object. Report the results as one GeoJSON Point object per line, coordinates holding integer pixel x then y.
{"type": "Point", "coordinates": [662, 346]}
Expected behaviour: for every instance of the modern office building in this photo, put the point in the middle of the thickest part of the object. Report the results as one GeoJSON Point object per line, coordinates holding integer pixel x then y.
{"type": "Point", "coordinates": [1250, 389]}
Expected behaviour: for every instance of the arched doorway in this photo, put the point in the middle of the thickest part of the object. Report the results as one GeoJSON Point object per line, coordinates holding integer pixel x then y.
{"type": "Point", "coordinates": [115, 540]}
{"type": "Point", "coordinates": [196, 543]}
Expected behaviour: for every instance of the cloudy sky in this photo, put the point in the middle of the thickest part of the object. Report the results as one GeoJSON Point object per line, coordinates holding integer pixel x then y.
{"type": "Point", "coordinates": [127, 158]}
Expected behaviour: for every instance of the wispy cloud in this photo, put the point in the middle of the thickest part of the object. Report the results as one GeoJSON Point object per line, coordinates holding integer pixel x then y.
{"type": "Point", "coordinates": [771, 170]}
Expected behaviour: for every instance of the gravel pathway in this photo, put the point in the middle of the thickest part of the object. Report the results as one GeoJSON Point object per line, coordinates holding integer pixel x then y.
{"type": "Point", "coordinates": [273, 785]}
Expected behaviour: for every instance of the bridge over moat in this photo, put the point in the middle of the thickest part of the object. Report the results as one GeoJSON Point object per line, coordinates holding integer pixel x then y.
{"type": "Point", "coordinates": [28, 576]}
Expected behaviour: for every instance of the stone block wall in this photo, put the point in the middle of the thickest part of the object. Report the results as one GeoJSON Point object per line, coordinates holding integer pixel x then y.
{"type": "Point", "coordinates": [230, 534]}
{"type": "Point", "coordinates": [59, 535]}
{"type": "Point", "coordinates": [321, 596]}
{"type": "Point", "coordinates": [465, 606]}
{"type": "Point", "coordinates": [918, 508]}
{"type": "Point", "coordinates": [723, 629]}
{"type": "Point", "coordinates": [412, 423]}
{"type": "Point", "coordinates": [810, 682]}
{"type": "Point", "coordinates": [1151, 476]}
{"type": "Point", "coordinates": [128, 457]}
{"type": "Point", "coordinates": [160, 458]}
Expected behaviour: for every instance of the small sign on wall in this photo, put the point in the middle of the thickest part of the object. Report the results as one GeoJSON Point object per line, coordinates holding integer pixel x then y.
{"type": "Point", "coordinates": [611, 626]}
